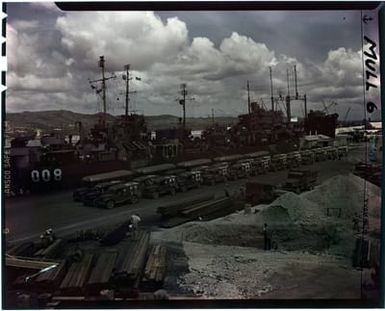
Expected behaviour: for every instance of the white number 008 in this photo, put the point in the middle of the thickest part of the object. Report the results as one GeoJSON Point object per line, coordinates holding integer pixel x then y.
{"type": "Point", "coordinates": [45, 175]}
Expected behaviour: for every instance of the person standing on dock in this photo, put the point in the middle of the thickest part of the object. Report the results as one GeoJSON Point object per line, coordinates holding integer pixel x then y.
{"type": "Point", "coordinates": [134, 224]}
{"type": "Point", "coordinates": [266, 238]}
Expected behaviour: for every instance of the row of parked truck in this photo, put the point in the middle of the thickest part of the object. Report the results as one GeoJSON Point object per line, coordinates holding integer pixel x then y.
{"type": "Point", "coordinates": [119, 187]}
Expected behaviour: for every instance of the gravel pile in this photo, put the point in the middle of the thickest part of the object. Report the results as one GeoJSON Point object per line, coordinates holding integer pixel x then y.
{"type": "Point", "coordinates": [226, 257]}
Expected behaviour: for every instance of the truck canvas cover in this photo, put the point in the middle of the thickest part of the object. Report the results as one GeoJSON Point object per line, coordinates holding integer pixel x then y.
{"type": "Point", "coordinates": [155, 168]}
{"type": "Point", "coordinates": [107, 176]}
{"type": "Point", "coordinates": [193, 163]}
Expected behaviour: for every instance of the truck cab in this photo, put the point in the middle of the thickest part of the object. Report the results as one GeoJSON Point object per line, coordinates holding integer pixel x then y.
{"type": "Point", "coordinates": [189, 180]}
{"type": "Point", "coordinates": [89, 198]}
{"type": "Point", "coordinates": [145, 181]}
{"type": "Point", "coordinates": [320, 154]}
{"type": "Point", "coordinates": [216, 173]}
{"type": "Point", "coordinates": [241, 169]}
{"type": "Point", "coordinates": [331, 153]}
{"type": "Point", "coordinates": [307, 157]}
{"type": "Point", "coordinates": [342, 151]}
{"type": "Point", "coordinates": [300, 180]}
{"type": "Point", "coordinates": [294, 159]}
{"type": "Point", "coordinates": [278, 162]}
{"type": "Point", "coordinates": [119, 194]}
{"type": "Point", "coordinates": [160, 186]}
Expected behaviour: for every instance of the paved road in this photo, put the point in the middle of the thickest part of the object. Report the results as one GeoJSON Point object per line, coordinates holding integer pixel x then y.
{"type": "Point", "coordinates": [27, 217]}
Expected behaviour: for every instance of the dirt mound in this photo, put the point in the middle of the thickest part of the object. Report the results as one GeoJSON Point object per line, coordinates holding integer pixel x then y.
{"type": "Point", "coordinates": [346, 193]}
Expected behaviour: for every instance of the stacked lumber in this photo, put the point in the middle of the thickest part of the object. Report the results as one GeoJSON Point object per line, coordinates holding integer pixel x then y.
{"type": "Point", "coordinates": [132, 260]}
{"type": "Point", "coordinates": [174, 209]}
{"type": "Point", "coordinates": [77, 275]}
{"type": "Point", "coordinates": [51, 279]}
{"type": "Point", "coordinates": [52, 250]}
{"type": "Point", "coordinates": [206, 210]}
{"type": "Point", "coordinates": [155, 269]}
{"type": "Point", "coordinates": [102, 272]}
{"type": "Point", "coordinates": [27, 263]}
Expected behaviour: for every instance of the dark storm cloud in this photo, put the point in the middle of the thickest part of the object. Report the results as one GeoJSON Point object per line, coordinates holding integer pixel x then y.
{"type": "Point", "coordinates": [53, 54]}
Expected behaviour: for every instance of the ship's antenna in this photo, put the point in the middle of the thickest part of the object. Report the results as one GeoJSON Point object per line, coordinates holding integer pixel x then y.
{"type": "Point", "coordinates": [248, 97]}
{"type": "Point", "coordinates": [271, 89]}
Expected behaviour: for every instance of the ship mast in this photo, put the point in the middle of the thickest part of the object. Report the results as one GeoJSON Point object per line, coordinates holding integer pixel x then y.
{"type": "Point", "coordinates": [127, 67]}
{"type": "Point", "coordinates": [103, 89]}
{"type": "Point", "coordinates": [101, 65]}
{"type": "Point", "coordinates": [248, 97]}
{"type": "Point", "coordinates": [271, 89]}
{"type": "Point", "coordinates": [183, 92]}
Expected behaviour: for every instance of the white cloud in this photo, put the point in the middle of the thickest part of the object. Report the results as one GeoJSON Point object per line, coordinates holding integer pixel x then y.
{"type": "Point", "coordinates": [51, 67]}
{"type": "Point", "coordinates": [139, 38]}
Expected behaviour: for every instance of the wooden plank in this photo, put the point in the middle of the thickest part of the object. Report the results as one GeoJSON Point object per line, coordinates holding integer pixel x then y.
{"type": "Point", "coordinates": [77, 275]}
{"type": "Point", "coordinates": [102, 272]}
{"type": "Point", "coordinates": [155, 269]}
{"type": "Point", "coordinates": [28, 263]}
{"type": "Point", "coordinates": [207, 207]}
{"type": "Point", "coordinates": [132, 260]}
{"type": "Point", "coordinates": [175, 208]}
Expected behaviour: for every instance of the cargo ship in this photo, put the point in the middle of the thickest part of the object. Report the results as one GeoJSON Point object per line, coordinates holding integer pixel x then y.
{"type": "Point", "coordinates": [52, 163]}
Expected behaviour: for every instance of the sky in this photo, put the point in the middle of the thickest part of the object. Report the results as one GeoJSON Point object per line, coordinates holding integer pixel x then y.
{"type": "Point", "coordinates": [52, 55]}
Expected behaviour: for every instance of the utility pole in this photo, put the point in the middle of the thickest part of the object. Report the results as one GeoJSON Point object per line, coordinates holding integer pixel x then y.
{"type": "Point", "coordinates": [212, 115]}
{"type": "Point", "coordinates": [271, 89]}
{"type": "Point", "coordinates": [248, 97]}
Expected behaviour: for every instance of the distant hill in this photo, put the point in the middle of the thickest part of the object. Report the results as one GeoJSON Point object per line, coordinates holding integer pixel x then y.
{"type": "Point", "coordinates": [64, 119]}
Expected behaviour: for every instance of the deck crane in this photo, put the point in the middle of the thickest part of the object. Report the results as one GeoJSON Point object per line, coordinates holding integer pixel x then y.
{"type": "Point", "coordinates": [326, 108]}
{"type": "Point", "coordinates": [346, 114]}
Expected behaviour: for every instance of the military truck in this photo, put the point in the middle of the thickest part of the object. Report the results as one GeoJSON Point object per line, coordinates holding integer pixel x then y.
{"type": "Point", "coordinates": [91, 181]}
{"type": "Point", "coordinates": [119, 194]}
{"type": "Point", "coordinates": [307, 157]}
{"type": "Point", "coordinates": [300, 180]}
{"type": "Point", "coordinates": [79, 194]}
{"type": "Point", "coordinates": [241, 169]}
{"type": "Point", "coordinates": [342, 151]}
{"type": "Point", "coordinates": [145, 181]}
{"type": "Point", "coordinates": [160, 186]}
{"type": "Point", "coordinates": [188, 180]}
{"type": "Point", "coordinates": [320, 154]}
{"type": "Point", "coordinates": [331, 153]}
{"type": "Point", "coordinates": [294, 159]}
{"type": "Point", "coordinates": [89, 198]}
{"type": "Point", "coordinates": [278, 162]}
{"type": "Point", "coordinates": [216, 173]}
